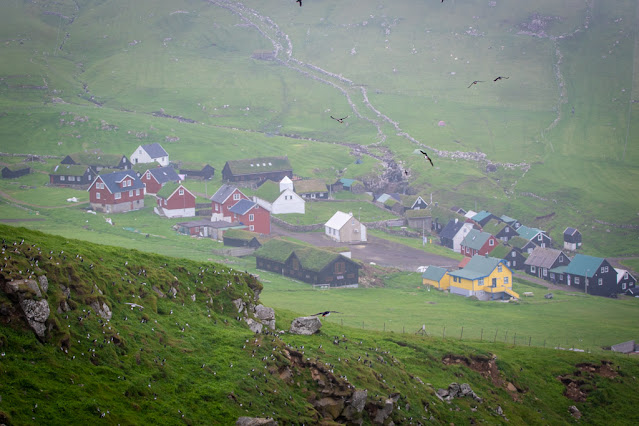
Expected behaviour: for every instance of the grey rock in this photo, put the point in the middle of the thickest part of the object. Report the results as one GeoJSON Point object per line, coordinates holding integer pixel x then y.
{"type": "Point", "coordinates": [265, 315]}
{"type": "Point", "coordinates": [256, 327]}
{"type": "Point", "coordinates": [102, 309]}
{"type": "Point", "coordinates": [33, 286]}
{"type": "Point", "coordinates": [44, 283]}
{"type": "Point", "coordinates": [65, 290]}
{"type": "Point", "coordinates": [63, 306]}
{"type": "Point", "coordinates": [305, 325]}
{"type": "Point", "coordinates": [173, 291]}
{"type": "Point", "coordinates": [255, 421]}
{"type": "Point", "coordinates": [383, 413]}
{"type": "Point", "coordinates": [239, 304]}
{"type": "Point", "coordinates": [193, 297]}
{"type": "Point", "coordinates": [574, 411]}
{"type": "Point", "coordinates": [157, 291]}
{"type": "Point", "coordinates": [358, 400]}
{"type": "Point", "coordinates": [37, 312]}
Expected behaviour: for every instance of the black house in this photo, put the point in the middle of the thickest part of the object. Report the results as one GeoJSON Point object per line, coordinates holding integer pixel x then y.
{"type": "Point", "coordinates": [512, 254]}
{"type": "Point", "coordinates": [594, 275]}
{"type": "Point", "coordinates": [627, 283]}
{"type": "Point", "coordinates": [206, 172]}
{"type": "Point", "coordinates": [500, 230]}
{"type": "Point", "coordinates": [448, 233]}
{"type": "Point", "coordinates": [309, 264]}
{"type": "Point", "coordinates": [257, 169]}
{"type": "Point", "coordinates": [241, 238]}
{"type": "Point", "coordinates": [543, 259]}
{"type": "Point", "coordinates": [572, 239]}
{"type": "Point", "coordinates": [71, 175]}
{"type": "Point", "coordinates": [15, 171]}
{"type": "Point", "coordinates": [98, 160]}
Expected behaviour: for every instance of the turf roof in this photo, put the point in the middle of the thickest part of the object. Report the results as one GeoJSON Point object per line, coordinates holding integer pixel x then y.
{"type": "Point", "coordinates": [310, 258]}
{"type": "Point", "coordinates": [259, 165]}
{"type": "Point", "coordinates": [268, 191]}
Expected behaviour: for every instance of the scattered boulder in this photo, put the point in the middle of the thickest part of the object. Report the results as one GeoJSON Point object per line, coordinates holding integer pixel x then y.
{"type": "Point", "coordinates": [63, 306]}
{"type": "Point", "coordinates": [239, 304]}
{"type": "Point", "coordinates": [265, 315]}
{"type": "Point", "coordinates": [254, 326]}
{"type": "Point", "coordinates": [65, 290]}
{"type": "Point", "coordinates": [37, 312]}
{"type": "Point", "coordinates": [44, 283]}
{"type": "Point", "coordinates": [548, 296]}
{"type": "Point", "coordinates": [455, 390]}
{"type": "Point", "coordinates": [158, 291]}
{"type": "Point", "coordinates": [173, 292]}
{"type": "Point", "coordinates": [255, 421]}
{"type": "Point", "coordinates": [574, 411]}
{"type": "Point", "coordinates": [23, 289]}
{"type": "Point", "coordinates": [102, 309]}
{"type": "Point", "coordinates": [384, 412]}
{"type": "Point", "coordinates": [305, 325]}
{"type": "Point", "coordinates": [330, 407]}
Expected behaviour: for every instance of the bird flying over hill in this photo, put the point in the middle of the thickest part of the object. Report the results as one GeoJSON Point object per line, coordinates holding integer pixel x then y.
{"type": "Point", "coordinates": [475, 82]}
{"type": "Point", "coordinates": [427, 157]}
{"type": "Point", "coordinates": [501, 78]}
{"type": "Point", "coordinates": [341, 120]}
{"type": "Point", "coordinates": [299, 1]}
{"type": "Point", "coordinates": [325, 313]}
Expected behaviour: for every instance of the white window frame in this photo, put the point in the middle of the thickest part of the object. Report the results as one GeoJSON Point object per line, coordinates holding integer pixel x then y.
{"type": "Point", "coordinates": [236, 196]}
{"type": "Point", "coordinates": [533, 269]}
{"type": "Point", "coordinates": [576, 280]}
{"type": "Point", "coordinates": [63, 178]}
{"type": "Point", "coordinates": [130, 193]}
{"type": "Point", "coordinates": [117, 195]}
{"type": "Point", "coordinates": [600, 281]}
{"type": "Point", "coordinates": [506, 280]}
{"type": "Point", "coordinates": [500, 268]}
{"type": "Point", "coordinates": [181, 191]}
{"type": "Point", "coordinates": [491, 242]}
{"type": "Point", "coordinates": [251, 217]}
{"type": "Point", "coordinates": [251, 228]}
{"type": "Point", "coordinates": [97, 195]}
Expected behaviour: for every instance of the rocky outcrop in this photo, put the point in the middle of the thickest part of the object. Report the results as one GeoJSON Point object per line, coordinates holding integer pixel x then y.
{"type": "Point", "coordinates": [305, 325]}
{"type": "Point", "coordinates": [254, 326]}
{"type": "Point", "coordinates": [36, 312]}
{"type": "Point", "coordinates": [102, 309]}
{"type": "Point", "coordinates": [158, 291]}
{"type": "Point", "coordinates": [255, 421]}
{"type": "Point", "coordinates": [44, 283]}
{"type": "Point", "coordinates": [455, 390]}
{"type": "Point", "coordinates": [265, 315]}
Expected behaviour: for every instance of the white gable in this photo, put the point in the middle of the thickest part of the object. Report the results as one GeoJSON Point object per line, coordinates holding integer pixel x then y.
{"type": "Point", "coordinates": [286, 183]}
{"type": "Point", "coordinates": [338, 220]}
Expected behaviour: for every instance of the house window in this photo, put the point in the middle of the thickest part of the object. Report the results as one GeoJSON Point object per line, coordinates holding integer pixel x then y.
{"type": "Point", "coordinates": [576, 280]}
{"type": "Point", "coordinates": [71, 178]}
{"type": "Point", "coordinates": [164, 201]}
{"type": "Point", "coordinates": [625, 275]}
{"type": "Point", "coordinates": [552, 276]}
{"type": "Point", "coordinates": [600, 281]}
{"type": "Point", "coordinates": [236, 196]}
{"type": "Point", "coordinates": [131, 193]}
{"type": "Point", "coordinates": [481, 281]}
{"type": "Point", "coordinates": [545, 271]}
{"type": "Point", "coordinates": [137, 191]}
{"type": "Point", "coordinates": [623, 286]}
{"type": "Point", "coordinates": [251, 228]}
{"type": "Point", "coordinates": [540, 237]}
{"type": "Point", "coordinates": [251, 217]}
{"type": "Point", "coordinates": [603, 269]}
{"type": "Point", "coordinates": [513, 254]}
{"type": "Point", "coordinates": [148, 175]}
{"type": "Point", "coordinates": [606, 268]}
{"type": "Point", "coordinates": [491, 242]}
{"type": "Point", "coordinates": [507, 229]}
{"type": "Point", "coordinates": [181, 192]}
{"type": "Point", "coordinates": [97, 195]}
{"type": "Point", "coordinates": [295, 264]}
{"type": "Point", "coordinates": [499, 268]}
{"type": "Point", "coordinates": [340, 267]}
{"type": "Point", "coordinates": [514, 263]}
{"type": "Point", "coordinates": [88, 177]}
{"type": "Point", "coordinates": [118, 195]}
{"type": "Point", "coordinates": [62, 178]}
{"type": "Point", "coordinates": [505, 280]}
{"type": "Point", "coordinates": [494, 282]}
{"type": "Point", "coordinates": [561, 259]}
{"type": "Point", "coordinates": [533, 269]}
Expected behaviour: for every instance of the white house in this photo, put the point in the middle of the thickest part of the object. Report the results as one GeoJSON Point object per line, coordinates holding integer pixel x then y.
{"type": "Point", "coordinates": [280, 199]}
{"type": "Point", "coordinates": [149, 153]}
{"type": "Point", "coordinates": [343, 227]}
{"type": "Point", "coordinates": [460, 235]}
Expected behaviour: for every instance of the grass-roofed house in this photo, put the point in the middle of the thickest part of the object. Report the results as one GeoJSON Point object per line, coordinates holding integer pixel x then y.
{"type": "Point", "coordinates": [98, 160]}
{"type": "Point", "coordinates": [279, 198]}
{"type": "Point", "coordinates": [174, 200]}
{"type": "Point", "coordinates": [206, 228]}
{"type": "Point", "coordinates": [197, 171]}
{"type": "Point", "coordinates": [312, 189]}
{"type": "Point", "coordinates": [241, 238]}
{"type": "Point", "coordinates": [70, 175]}
{"type": "Point", "coordinates": [500, 230]}
{"type": "Point", "coordinates": [149, 153]}
{"type": "Point", "coordinates": [308, 264]}
{"type": "Point", "coordinates": [13, 171]}
{"type": "Point", "coordinates": [155, 178]}
{"type": "Point", "coordinates": [437, 277]}
{"type": "Point", "coordinates": [535, 236]}
{"type": "Point", "coordinates": [594, 275]}
{"type": "Point", "coordinates": [257, 169]}
{"type": "Point", "coordinates": [512, 253]}
{"type": "Point", "coordinates": [117, 192]}
{"type": "Point", "coordinates": [487, 278]}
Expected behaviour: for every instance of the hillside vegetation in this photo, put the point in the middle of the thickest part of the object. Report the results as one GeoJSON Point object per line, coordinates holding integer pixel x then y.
{"type": "Point", "coordinates": [85, 74]}
{"type": "Point", "coordinates": [137, 338]}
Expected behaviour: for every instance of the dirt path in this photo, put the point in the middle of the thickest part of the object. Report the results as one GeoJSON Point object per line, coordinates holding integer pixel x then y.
{"type": "Point", "coordinates": [378, 250]}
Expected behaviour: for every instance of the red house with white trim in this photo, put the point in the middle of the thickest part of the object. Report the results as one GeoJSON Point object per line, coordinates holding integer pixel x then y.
{"type": "Point", "coordinates": [154, 179]}
{"type": "Point", "coordinates": [251, 214]}
{"type": "Point", "coordinates": [223, 199]}
{"type": "Point", "coordinates": [478, 242]}
{"type": "Point", "coordinates": [117, 192]}
{"type": "Point", "coordinates": [174, 200]}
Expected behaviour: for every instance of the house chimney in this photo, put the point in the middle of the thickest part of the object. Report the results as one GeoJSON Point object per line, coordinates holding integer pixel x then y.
{"type": "Point", "coordinates": [456, 220]}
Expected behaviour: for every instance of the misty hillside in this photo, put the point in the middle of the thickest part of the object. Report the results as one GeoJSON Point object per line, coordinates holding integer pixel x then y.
{"type": "Point", "coordinates": [95, 333]}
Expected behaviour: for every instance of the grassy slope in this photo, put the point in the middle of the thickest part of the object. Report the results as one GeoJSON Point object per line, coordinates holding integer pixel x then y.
{"type": "Point", "coordinates": [166, 371]}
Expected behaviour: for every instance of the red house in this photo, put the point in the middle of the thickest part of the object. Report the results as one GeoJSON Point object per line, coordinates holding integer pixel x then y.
{"type": "Point", "coordinates": [174, 200]}
{"type": "Point", "coordinates": [223, 199]}
{"type": "Point", "coordinates": [251, 214]}
{"type": "Point", "coordinates": [117, 192]}
{"type": "Point", "coordinates": [478, 242]}
{"type": "Point", "coordinates": [154, 179]}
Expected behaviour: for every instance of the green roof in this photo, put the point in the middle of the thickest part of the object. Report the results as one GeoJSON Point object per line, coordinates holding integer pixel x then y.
{"type": "Point", "coordinates": [310, 258]}
{"type": "Point", "coordinates": [310, 185]}
{"type": "Point", "coordinates": [269, 191]}
{"type": "Point", "coordinates": [481, 216]}
{"type": "Point", "coordinates": [494, 226]}
{"type": "Point", "coordinates": [434, 273]}
{"type": "Point", "coordinates": [69, 170]}
{"type": "Point", "coordinates": [259, 165]}
{"type": "Point", "coordinates": [478, 267]}
{"type": "Point", "coordinates": [390, 202]}
{"type": "Point", "coordinates": [240, 234]}
{"type": "Point", "coordinates": [99, 159]}
{"type": "Point", "coordinates": [16, 167]}
{"type": "Point", "coordinates": [500, 251]}
{"type": "Point", "coordinates": [168, 189]}
{"type": "Point", "coordinates": [528, 233]}
{"type": "Point", "coordinates": [143, 167]}
{"type": "Point", "coordinates": [347, 183]}
{"type": "Point", "coordinates": [584, 265]}
{"type": "Point", "coordinates": [475, 239]}
{"type": "Point", "coordinates": [518, 242]}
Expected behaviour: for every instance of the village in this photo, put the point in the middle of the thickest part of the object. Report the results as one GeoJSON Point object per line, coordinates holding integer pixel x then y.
{"type": "Point", "coordinates": [493, 246]}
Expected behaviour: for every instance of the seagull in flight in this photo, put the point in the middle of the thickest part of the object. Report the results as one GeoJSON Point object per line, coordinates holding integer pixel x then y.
{"type": "Point", "coordinates": [501, 78]}
{"type": "Point", "coordinates": [299, 1]}
{"type": "Point", "coordinates": [475, 82]}
{"type": "Point", "coordinates": [325, 313]}
{"type": "Point", "coordinates": [341, 120]}
{"type": "Point", "coordinates": [427, 157]}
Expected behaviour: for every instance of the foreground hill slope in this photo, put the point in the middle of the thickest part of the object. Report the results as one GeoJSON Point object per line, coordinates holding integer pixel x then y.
{"type": "Point", "coordinates": [134, 338]}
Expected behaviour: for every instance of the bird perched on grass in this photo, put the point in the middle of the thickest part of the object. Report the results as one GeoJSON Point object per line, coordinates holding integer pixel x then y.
{"type": "Point", "coordinates": [475, 82]}
{"type": "Point", "coordinates": [325, 313]}
{"type": "Point", "coordinates": [340, 120]}
{"type": "Point", "coordinates": [501, 78]}
{"type": "Point", "coordinates": [427, 157]}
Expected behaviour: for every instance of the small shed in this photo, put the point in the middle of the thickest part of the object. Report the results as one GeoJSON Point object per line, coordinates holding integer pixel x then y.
{"type": "Point", "coordinates": [241, 238]}
{"type": "Point", "coordinates": [572, 239]}
{"type": "Point", "coordinates": [15, 171]}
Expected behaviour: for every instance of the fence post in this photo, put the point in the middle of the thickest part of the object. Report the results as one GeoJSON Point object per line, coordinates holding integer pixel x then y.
{"type": "Point", "coordinates": [444, 333]}
{"type": "Point", "coordinates": [481, 337]}
{"type": "Point", "coordinates": [544, 343]}
{"type": "Point", "coordinates": [506, 336]}
{"type": "Point", "coordinates": [529, 339]}
{"type": "Point", "coordinates": [384, 325]}
{"type": "Point", "coordinates": [462, 333]}
{"type": "Point", "coordinates": [515, 339]}
{"type": "Point", "coordinates": [495, 339]}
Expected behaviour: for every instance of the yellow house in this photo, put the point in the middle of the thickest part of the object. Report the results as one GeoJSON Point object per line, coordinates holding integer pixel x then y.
{"type": "Point", "coordinates": [436, 277]}
{"type": "Point", "coordinates": [487, 278]}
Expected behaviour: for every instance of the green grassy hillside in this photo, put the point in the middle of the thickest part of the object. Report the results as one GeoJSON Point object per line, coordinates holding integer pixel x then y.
{"type": "Point", "coordinates": [186, 359]}
{"type": "Point", "coordinates": [120, 74]}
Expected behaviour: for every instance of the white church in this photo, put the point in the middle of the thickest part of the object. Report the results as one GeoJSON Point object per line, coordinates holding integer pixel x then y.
{"type": "Point", "coordinates": [280, 202]}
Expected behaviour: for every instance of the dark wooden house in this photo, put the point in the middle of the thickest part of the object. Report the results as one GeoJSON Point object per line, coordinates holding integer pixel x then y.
{"type": "Point", "coordinates": [192, 171]}
{"type": "Point", "coordinates": [257, 169]}
{"type": "Point", "coordinates": [15, 171]}
{"type": "Point", "coordinates": [98, 160]}
{"type": "Point", "coordinates": [69, 175]}
{"type": "Point", "coordinates": [500, 230]}
{"type": "Point", "coordinates": [309, 264]}
{"type": "Point", "coordinates": [311, 189]}
{"type": "Point", "coordinates": [594, 275]}
{"type": "Point", "coordinates": [542, 260]}
{"type": "Point", "coordinates": [241, 238]}
{"type": "Point", "coordinates": [572, 239]}
{"type": "Point", "coordinates": [535, 236]}
{"type": "Point", "coordinates": [626, 283]}
{"type": "Point", "coordinates": [483, 217]}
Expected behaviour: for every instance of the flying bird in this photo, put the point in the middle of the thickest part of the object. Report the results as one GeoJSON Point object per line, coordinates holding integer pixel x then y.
{"type": "Point", "coordinates": [501, 78]}
{"type": "Point", "coordinates": [475, 82]}
{"type": "Point", "coordinates": [300, 2]}
{"type": "Point", "coordinates": [325, 313]}
{"type": "Point", "coordinates": [427, 157]}
{"type": "Point", "coordinates": [341, 120]}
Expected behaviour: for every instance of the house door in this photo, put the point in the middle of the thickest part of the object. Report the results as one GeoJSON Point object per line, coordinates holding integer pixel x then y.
{"type": "Point", "coordinates": [568, 279]}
